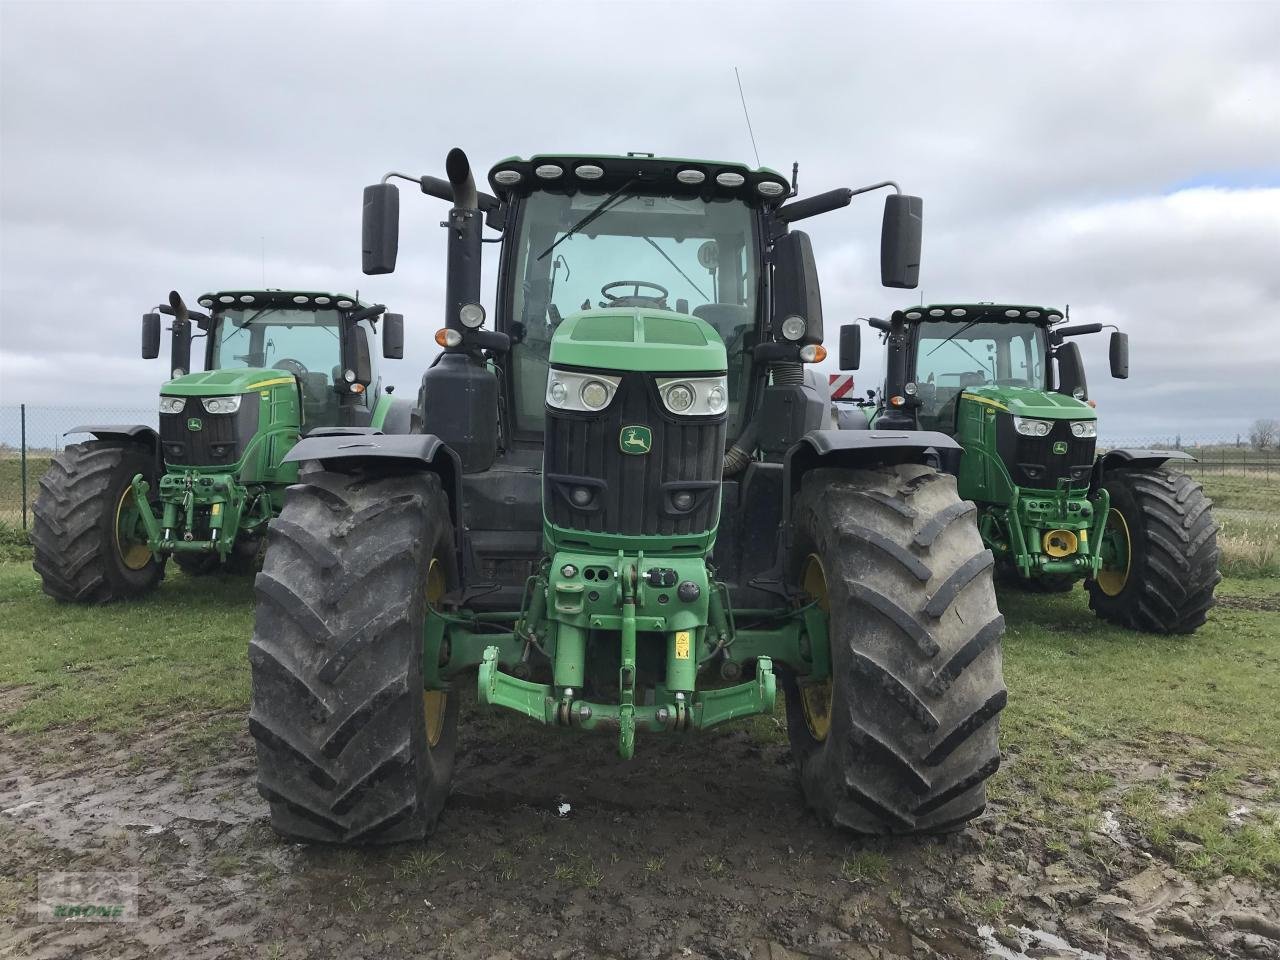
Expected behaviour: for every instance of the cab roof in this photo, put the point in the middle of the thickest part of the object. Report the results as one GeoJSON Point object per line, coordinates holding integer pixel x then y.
{"type": "Point", "coordinates": [304, 299]}
{"type": "Point", "coordinates": [608, 172]}
{"type": "Point", "coordinates": [979, 312]}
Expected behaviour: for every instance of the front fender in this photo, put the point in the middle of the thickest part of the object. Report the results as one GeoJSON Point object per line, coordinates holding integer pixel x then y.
{"type": "Point", "coordinates": [864, 448]}
{"type": "Point", "coordinates": [128, 432]}
{"type": "Point", "coordinates": [345, 450]}
{"type": "Point", "coordinates": [1124, 458]}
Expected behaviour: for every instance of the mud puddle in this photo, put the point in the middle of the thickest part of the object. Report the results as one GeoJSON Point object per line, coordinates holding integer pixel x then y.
{"type": "Point", "coordinates": [697, 849]}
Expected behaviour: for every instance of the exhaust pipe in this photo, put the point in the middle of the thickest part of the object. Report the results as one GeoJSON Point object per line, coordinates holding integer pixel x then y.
{"type": "Point", "coordinates": [178, 307]}
{"type": "Point", "coordinates": [180, 337]}
{"type": "Point", "coordinates": [458, 169]}
{"type": "Point", "coordinates": [462, 283]}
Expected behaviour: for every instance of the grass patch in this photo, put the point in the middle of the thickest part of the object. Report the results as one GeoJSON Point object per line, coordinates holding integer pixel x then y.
{"type": "Point", "coordinates": [118, 667]}
{"type": "Point", "coordinates": [865, 865]}
{"type": "Point", "coordinates": [1206, 704]}
{"type": "Point", "coordinates": [1259, 493]}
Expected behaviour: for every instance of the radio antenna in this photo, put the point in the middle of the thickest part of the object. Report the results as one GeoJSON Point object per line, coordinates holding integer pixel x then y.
{"type": "Point", "coordinates": [747, 114]}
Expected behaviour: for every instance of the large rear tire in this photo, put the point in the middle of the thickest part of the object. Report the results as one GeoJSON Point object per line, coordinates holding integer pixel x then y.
{"type": "Point", "coordinates": [350, 748]}
{"type": "Point", "coordinates": [89, 544]}
{"type": "Point", "coordinates": [905, 736]}
{"type": "Point", "coordinates": [1160, 553]}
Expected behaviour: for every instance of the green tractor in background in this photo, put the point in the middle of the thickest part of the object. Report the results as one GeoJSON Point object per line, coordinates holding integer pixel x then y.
{"type": "Point", "coordinates": [1009, 384]}
{"type": "Point", "coordinates": [626, 512]}
{"type": "Point", "coordinates": [278, 365]}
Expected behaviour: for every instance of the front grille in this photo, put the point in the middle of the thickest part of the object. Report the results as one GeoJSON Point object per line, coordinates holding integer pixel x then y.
{"type": "Point", "coordinates": [1032, 462]}
{"type": "Point", "coordinates": [632, 493]}
{"type": "Point", "coordinates": [220, 440]}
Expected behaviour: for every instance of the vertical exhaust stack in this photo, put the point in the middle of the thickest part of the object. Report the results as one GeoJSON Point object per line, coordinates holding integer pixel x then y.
{"type": "Point", "coordinates": [459, 396]}
{"type": "Point", "coordinates": [465, 224]}
{"type": "Point", "coordinates": [180, 343]}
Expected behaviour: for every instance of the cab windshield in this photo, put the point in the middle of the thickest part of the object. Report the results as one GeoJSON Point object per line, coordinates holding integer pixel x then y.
{"type": "Point", "coordinates": [639, 249]}
{"type": "Point", "coordinates": [305, 343]}
{"type": "Point", "coordinates": [269, 336]}
{"type": "Point", "coordinates": [952, 356]}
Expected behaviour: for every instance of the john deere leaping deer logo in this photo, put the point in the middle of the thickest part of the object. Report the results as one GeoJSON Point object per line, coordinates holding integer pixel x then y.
{"type": "Point", "coordinates": [636, 440]}
{"type": "Point", "coordinates": [194, 424]}
{"type": "Point", "coordinates": [1060, 447]}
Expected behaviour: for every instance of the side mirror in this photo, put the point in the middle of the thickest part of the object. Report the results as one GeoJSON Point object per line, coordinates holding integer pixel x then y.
{"type": "Point", "coordinates": [393, 336]}
{"type": "Point", "coordinates": [795, 287]}
{"type": "Point", "coordinates": [1071, 380]}
{"type": "Point", "coordinates": [150, 336]}
{"type": "Point", "coordinates": [1120, 355]}
{"type": "Point", "coordinates": [357, 358]}
{"type": "Point", "coordinates": [900, 235]}
{"type": "Point", "coordinates": [850, 346]}
{"type": "Point", "coordinates": [380, 229]}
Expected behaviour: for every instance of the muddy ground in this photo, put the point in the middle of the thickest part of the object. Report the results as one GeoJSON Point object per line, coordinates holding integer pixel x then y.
{"type": "Point", "coordinates": [699, 848]}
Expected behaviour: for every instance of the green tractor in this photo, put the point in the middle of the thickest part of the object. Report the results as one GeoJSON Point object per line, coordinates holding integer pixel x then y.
{"type": "Point", "coordinates": [278, 365]}
{"type": "Point", "coordinates": [627, 513]}
{"type": "Point", "coordinates": [1007, 381]}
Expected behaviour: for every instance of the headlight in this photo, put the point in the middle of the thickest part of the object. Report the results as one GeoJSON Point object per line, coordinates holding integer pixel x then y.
{"type": "Point", "coordinates": [694, 396]}
{"type": "Point", "coordinates": [1032, 428]}
{"type": "Point", "coordinates": [793, 328]}
{"type": "Point", "coordinates": [1084, 428]}
{"type": "Point", "coordinates": [587, 392]}
{"type": "Point", "coordinates": [678, 397]}
{"type": "Point", "coordinates": [172, 404]}
{"type": "Point", "coordinates": [595, 394]}
{"type": "Point", "coordinates": [221, 404]}
{"type": "Point", "coordinates": [471, 315]}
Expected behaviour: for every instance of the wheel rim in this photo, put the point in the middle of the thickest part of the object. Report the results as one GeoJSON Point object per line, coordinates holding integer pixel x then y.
{"type": "Point", "coordinates": [131, 537]}
{"type": "Point", "coordinates": [434, 702]}
{"type": "Point", "coordinates": [1117, 555]}
{"type": "Point", "coordinates": [815, 698]}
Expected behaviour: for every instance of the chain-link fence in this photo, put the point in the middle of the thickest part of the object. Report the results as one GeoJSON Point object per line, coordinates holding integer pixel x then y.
{"type": "Point", "coordinates": [31, 435]}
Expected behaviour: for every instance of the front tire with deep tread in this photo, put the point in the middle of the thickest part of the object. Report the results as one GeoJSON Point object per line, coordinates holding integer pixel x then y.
{"type": "Point", "coordinates": [915, 634]}
{"type": "Point", "coordinates": [336, 660]}
{"type": "Point", "coordinates": [78, 551]}
{"type": "Point", "coordinates": [1173, 553]}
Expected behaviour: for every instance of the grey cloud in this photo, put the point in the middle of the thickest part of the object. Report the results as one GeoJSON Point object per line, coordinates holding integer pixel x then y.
{"type": "Point", "coordinates": [150, 146]}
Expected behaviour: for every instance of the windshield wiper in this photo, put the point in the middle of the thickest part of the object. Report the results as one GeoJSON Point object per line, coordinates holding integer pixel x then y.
{"type": "Point", "coordinates": [952, 337]}
{"type": "Point", "coordinates": [653, 243]}
{"type": "Point", "coordinates": [590, 217]}
{"type": "Point", "coordinates": [980, 364]}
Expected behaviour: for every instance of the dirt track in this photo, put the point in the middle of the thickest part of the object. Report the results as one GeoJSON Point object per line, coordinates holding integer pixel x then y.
{"type": "Point", "coordinates": [698, 848]}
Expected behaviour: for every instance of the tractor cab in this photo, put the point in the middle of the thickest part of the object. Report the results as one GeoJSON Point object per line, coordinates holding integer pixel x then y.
{"type": "Point", "coordinates": [319, 341]}
{"type": "Point", "coordinates": [631, 236]}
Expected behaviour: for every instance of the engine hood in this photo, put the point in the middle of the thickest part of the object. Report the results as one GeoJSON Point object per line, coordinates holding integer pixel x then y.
{"type": "Point", "coordinates": [215, 383]}
{"type": "Point", "coordinates": [1041, 404]}
{"type": "Point", "coordinates": [639, 339]}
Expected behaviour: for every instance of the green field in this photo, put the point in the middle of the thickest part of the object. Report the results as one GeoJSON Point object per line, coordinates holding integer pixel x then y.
{"type": "Point", "coordinates": [1090, 706]}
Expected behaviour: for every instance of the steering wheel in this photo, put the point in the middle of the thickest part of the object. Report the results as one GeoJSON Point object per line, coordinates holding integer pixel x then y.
{"type": "Point", "coordinates": [293, 366]}
{"type": "Point", "coordinates": [636, 299]}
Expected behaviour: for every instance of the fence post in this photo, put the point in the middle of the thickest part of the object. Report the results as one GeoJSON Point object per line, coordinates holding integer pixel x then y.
{"type": "Point", "coordinates": [22, 417]}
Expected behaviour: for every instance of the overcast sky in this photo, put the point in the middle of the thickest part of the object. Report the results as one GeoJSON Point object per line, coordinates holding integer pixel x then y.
{"type": "Point", "coordinates": [1120, 157]}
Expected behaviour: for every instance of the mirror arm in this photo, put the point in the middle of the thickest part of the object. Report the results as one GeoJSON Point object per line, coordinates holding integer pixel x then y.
{"type": "Point", "coordinates": [440, 189]}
